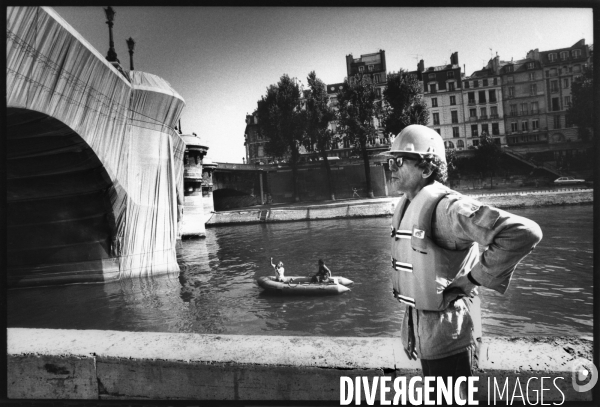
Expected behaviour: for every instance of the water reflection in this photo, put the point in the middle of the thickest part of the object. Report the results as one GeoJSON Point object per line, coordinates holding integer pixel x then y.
{"type": "Point", "coordinates": [550, 294]}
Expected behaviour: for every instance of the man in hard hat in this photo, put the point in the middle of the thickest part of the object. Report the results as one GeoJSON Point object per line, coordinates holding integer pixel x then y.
{"type": "Point", "coordinates": [435, 257]}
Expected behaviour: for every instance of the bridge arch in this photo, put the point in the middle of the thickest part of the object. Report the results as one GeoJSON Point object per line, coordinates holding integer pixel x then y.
{"type": "Point", "coordinates": [60, 221]}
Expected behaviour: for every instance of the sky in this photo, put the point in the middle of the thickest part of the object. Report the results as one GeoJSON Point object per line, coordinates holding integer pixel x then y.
{"type": "Point", "coordinates": [222, 59]}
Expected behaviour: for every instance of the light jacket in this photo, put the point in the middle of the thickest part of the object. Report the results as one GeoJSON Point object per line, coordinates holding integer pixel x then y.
{"type": "Point", "coordinates": [504, 239]}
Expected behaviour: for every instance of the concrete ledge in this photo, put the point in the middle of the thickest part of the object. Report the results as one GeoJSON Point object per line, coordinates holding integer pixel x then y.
{"type": "Point", "coordinates": [91, 364]}
{"type": "Point", "coordinates": [385, 207]}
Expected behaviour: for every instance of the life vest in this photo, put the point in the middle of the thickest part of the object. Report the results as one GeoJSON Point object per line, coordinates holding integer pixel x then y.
{"type": "Point", "coordinates": [422, 269]}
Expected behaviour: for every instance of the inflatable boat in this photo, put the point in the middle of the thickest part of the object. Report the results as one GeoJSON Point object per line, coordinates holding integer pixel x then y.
{"type": "Point", "coordinates": [302, 285]}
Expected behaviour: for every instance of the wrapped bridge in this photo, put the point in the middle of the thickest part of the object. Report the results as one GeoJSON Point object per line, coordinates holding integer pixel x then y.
{"type": "Point", "coordinates": [94, 165]}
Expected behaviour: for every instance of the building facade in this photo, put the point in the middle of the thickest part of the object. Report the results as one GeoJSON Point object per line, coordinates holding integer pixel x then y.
{"type": "Point", "coordinates": [443, 93]}
{"type": "Point", "coordinates": [254, 142]}
{"type": "Point", "coordinates": [483, 107]}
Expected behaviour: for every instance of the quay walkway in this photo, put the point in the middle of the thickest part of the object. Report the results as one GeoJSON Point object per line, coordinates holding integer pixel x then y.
{"type": "Point", "coordinates": [505, 198]}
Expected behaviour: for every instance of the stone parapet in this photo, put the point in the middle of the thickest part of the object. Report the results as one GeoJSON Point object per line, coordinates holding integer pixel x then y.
{"type": "Point", "coordinates": [92, 364]}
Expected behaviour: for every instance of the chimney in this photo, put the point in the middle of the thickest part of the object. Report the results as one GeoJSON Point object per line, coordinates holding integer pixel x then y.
{"type": "Point", "coordinates": [454, 58]}
{"type": "Point", "coordinates": [421, 66]}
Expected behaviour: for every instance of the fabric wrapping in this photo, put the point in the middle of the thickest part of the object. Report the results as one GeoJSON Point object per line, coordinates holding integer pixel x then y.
{"type": "Point", "coordinates": [127, 122]}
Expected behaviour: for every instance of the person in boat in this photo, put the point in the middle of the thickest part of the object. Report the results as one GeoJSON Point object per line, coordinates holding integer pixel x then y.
{"type": "Point", "coordinates": [322, 275]}
{"type": "Point", "coordinates": [279, 270]}
{"type": "Point", "coordinates": [436, 262]}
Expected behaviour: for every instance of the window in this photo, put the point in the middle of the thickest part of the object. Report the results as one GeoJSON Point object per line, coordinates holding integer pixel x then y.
{"type": "Point", "coordinates": [555, 104]}
{"type": "Point", "coordinates": [576, 53]}
{"type": "Point", "coordinates": [568, 123]}
{"type": "Point", "coordinates": [482, 96]}
{"type": "Point", "coordinates": [483, 112]}
{"type": "Point", "coordinates": [452, 100]}
{"type": "Point", "coordinates": [554, 86]}
{"type": "Point", "coordinates": [492, 95]}
{"type": "Point", "coordinates": [553, 72]}
{"type": "Point", "coordinates": [472, 112]}
{"type": "Point", "coordinates": [370, 68]}
{"type": "Point", "coordinates": [431, 76]}
{"type": "Point", "coordinates": [509, 68]}
{"type": "Point", "coordinates": [514, 126]}
{"type": "Point", "coordinates": [576, 68]}
{"type": "Point", "coordinates": [525, 126]}
{"type": "Point", "coordinates": [485, 82]}
{"type": "Point", "coordinates": [455, 132]}
{"type": "Point", "coordinates": [567, 102]}
{"type": "Point", "coordinates": [485, 129]}
{"type": "Point", "coordinates": [434, 102]}
{"type": "Point", "coordinates": [495, 129]}
{"type": "Point", "coordinates": [433, 88]}
{"type": "Point", "coordinates": [474, 130]}
{"type": "Point", "coordinates": [532, 76]}
{"type": "Point", "coordinates": [450, 74]}
{"type": "Point", "coordinates": [564, 55]}
{"type": "Point", "coordinates": [448, 144]}
{"type": "Point", "coordinates": [471, 96]}
{"type": "Point", "coordinates": [495, 81]}
{"type": "Point", "coordinates": [346, 143]}
{"type": "Point", "coordinates": [557, 122]}
{"type": "Point", "coordinates": [535, 124]}
{"type": "Point", "coordinates": [510, 79]}
{"type": "Point", "coordinates": [513, 110]}
{"type": "Point", "coordinates": [552, 56]}
{"type": "Point", "coordinates": [378, 91]}
{"type": "Point", "coordinates": [466, 84]}
{"type": "Point", "coordinates": [533, 89]}
{"type": "Point", "coordinates": [524, 109]}
{"type": "Point", "coordinates": [530, 65]}
{"type": "Point", "coordinates": [460, 143]}
{"type": "Point", "coordinates": [361, 68]}
{"type": "Point", "coordinates": [454, 114]}
{"type": "Point", "coordinates": [511, 91]}
{"type": "Point", "coordinates": [476, 83]}
{"type": "Point", "coordinates": [494, 112]}
{"type": "Point", "coordinates": [566, 83]}
{"type": "Point", "coordinates": [475, 143]}
{"type": "Point", "coordinates": [450, 86]}
{"type": "Point", "coordinates": [534, 108]}
{"type": "Point", "coordinates": [436, 118]}
{"type": "Point", "coordinates": [377, 78]}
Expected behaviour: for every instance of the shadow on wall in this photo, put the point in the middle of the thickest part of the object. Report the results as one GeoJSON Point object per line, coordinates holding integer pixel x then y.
{"type": "Point", "coordinates": [226, 199]}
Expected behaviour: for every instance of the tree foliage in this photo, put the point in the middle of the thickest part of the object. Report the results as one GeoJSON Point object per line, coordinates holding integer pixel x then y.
{"type": "Point", "coordinates": [358, 106]}
{"type": "Point", "coordinates": [282, 123]}
{"type": "Point", "coordinates": [404, 103]}
{"type": "Point", "coordinates": [487, 156]}
{"type": "Point", "coordinates": [318, 115]}
{"type": "Point", "coordinates": [581, 110]}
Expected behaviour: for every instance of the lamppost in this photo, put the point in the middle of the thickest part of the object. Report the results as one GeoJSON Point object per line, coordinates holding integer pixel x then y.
{"type": "Point", "coordinates": [131, 46]}
{"type": "Point", "coordinates": [110, 16]}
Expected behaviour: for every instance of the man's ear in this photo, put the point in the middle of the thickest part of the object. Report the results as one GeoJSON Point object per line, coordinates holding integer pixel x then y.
{"type": "Point", "coordinates": [426, 172]}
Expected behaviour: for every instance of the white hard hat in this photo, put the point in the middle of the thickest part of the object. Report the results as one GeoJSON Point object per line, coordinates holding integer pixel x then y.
{"type": "Point", "coordinates": [418, 140]}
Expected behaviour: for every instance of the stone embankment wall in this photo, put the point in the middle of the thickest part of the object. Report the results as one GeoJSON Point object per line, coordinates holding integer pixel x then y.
{"type": "Point", "coordinates": [91, 364]}
{"type": "Point", "coordinates": [385, 207]}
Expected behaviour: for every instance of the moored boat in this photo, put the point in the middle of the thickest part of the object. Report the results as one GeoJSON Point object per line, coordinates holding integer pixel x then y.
{"type": "Point", "coordinates": [296, 285]}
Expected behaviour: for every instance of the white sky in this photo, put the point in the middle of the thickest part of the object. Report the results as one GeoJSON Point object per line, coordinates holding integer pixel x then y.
{"type": "Point", "coordinates": [221, 60]}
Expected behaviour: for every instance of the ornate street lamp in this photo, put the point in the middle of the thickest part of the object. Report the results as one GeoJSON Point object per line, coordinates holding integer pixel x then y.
{"type": "Point", "coordinates": [131, 46]}
{"type": "Point", "coordinates": [110, 16]}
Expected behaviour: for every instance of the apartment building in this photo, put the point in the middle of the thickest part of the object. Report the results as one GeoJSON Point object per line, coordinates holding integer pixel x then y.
{"type": "Point", "coordinates": [371, 66]}
{"type": "Point", "coordinates": [443, 93]}
{"type": "Point", "coordinates": [484, 111]}
{"type": "Point", "coordinates": [254, 142]}
{"type": "Point", "coordinates": [525, 103]}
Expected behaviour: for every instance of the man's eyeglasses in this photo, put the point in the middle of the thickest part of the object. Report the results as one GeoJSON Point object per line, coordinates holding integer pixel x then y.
{"type": "Point", "coordinates": [398, 161]}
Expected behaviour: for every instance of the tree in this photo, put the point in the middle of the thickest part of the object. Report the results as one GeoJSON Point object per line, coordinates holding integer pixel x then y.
{"type": "Point", "coordinates": [487, 156]}
{"type": "Point", "coordinates": [280, 121]}
{"type": "Point", "coordinates": [357, 108]}
{"type": "Point", "coordinates": [581, 110]}
{"type": "Point", "coordinates": [404, 103]}
{"type": "Point", "coordinates": [318, 115]}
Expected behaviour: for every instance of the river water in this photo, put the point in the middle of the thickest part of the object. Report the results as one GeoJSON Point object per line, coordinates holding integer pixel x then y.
{"type": "Point", "coordinates": [550, 293]}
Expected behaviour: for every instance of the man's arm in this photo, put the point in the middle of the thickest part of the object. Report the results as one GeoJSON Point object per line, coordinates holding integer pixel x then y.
{"type": "Point", "coordinates": [509, 239]}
